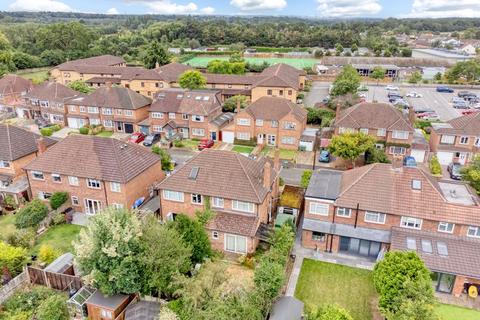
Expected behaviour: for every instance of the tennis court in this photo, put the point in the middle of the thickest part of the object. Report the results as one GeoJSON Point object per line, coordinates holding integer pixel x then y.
{"type": "Point", "coordinates": [300, 63]}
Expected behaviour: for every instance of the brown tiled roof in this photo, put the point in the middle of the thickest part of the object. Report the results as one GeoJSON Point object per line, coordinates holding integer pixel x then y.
{"type": "Point", "coordinates": [232, 79]}
{"type": "Point", "coordinates": [466, 125]}
{"type": "Point", "coordinates": [112, 80]}
{"type": "Point", "coordinates": [13, 84]}
{"type": "Point", "coordinates": [126, 73]}
{"type": "Point", "coordinates": [16, 142]}
{"type": "Point", "coordinates": [463, 253]}
{"type": "Point", "coordinates": [224, 174]}
{"type": "Point", "coordinates": [378, 187]}
{"type": "Point", "coordinates": [169, 72]}
{"type": "Point", "coordinates": [104, 60]}
{"type": "Point", "coordinates": [51, 91]}
{"type": "Point", "coordinates": [280, 75]}
{"type": "Point", "coordinates": [361, 116]}
{"type": "Point", "coordinates": [95, 157]}
{"type": "Point", "coordinates": [113, 97]}
{"type": "Point", "coordinates": [235, 223]}
{"type": "Point", "coordinates": [197, 102]}
{"type": "Point", "coordinates": [275, 108]}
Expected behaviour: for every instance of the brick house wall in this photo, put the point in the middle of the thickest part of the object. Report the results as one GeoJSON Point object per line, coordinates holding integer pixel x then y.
{"type": "Point", "coordinates": [470, 148]}
{"type": "Point", "coordinates": [145, 87]}
{"type": "Point", "coordinates": [282, 92]}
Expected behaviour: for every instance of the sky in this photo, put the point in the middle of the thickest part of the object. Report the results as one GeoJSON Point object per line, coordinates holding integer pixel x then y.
{"type": "Point", "coordinates": [310, 8]}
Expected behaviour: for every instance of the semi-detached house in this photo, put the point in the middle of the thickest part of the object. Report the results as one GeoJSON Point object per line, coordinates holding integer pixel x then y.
{"type": "Point", "coordinates": [369, 210]}
{"type": "Point", "coordinates": [241, 192]}
{"type": "Point", "coordinates": [96, 172]}
{"type": "Point", "coordinates": [12, 90]}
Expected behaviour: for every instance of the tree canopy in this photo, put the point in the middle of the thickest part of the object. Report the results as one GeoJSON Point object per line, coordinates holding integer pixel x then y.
{"type": "Point", "coordinates": [230, 105]}
{"type": "Point", "coordinates": [192, 79]}
{"type": "Point", "coordinates": [471, 173]}
{"type": "Point", "coordinates": [346, 82]}
{"type": "Point", "coordinates": [155, 53]}
{"type": "Point", "coordinates": [349, 146]}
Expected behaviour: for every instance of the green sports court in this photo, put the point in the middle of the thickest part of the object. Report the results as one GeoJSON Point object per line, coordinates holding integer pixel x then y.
{"type": "Point", "coordinates": [299, 63]}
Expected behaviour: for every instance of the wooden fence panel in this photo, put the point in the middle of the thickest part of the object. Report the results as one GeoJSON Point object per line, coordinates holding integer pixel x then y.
{"type": "Point", "coordinates": [58, 281]}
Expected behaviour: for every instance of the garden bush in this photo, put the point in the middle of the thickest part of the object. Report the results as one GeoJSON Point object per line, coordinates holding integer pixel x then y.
{"type": "Point", "coordinates": [25, 303]}
{"type": "Point", "coordinates": [12, 258]}
{"type": "Point", "coordinates": [47, 254]}
{"type": "Point", "coordinates": [58, 218]}
{"type": "Point", "coordinates": [55, 127]}
{"type": "Point", "coordinates": [53, 308]}
{"type": "Point", "coordinates": [46, 132]}
{"type": "Point", "coordinates": [84, 130]}
{"type": "Point", "coordinates": [178, 144]}
{"type": "Point", "coordinates": [24, 238]}
{"type": "Point", "coordinates": [31, 215]}
{"type": "Point", "coordinates": [435, 167]}
{"type": "Point", "coordinates": [57, 199]}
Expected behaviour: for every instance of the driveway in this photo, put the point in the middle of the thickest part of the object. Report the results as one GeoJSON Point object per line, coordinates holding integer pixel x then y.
{"type": "Point", "coordinates": [180, 156]}
{"type": "Point", "coordinates": [292, 176]}
{"type": "Point", "coordinates": [318, 91]}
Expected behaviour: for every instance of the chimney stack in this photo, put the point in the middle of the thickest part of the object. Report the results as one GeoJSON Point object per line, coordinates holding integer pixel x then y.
{"type": "Point", "coordinates": [238, 105]}
{"type": "Point", "coordinates": [276, 161]}
{"type": "Point", "coordinates": [267, 174]}
{"type": "Point", "coordinates": [41, 145]}
{"type": "Point", "coordinates": [411, 115]}
{"type": "Point", "coordinates": [337, 112]}
{"type": "Point", "coordinates": [157, 65]}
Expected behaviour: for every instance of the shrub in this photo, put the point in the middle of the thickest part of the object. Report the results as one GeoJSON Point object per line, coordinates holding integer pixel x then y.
{"type": "Point", "coordinates": [58, 218]}
{"type": "Point", "coordinates": [9, 201]}
{"type": "Point", "coordinates": [57, 199]}
{"type": "Point", "coordinates": [330, 312]}
{"type": "Point", "coordinates": [24, 238]}
{"type": "Point", "coordinates": [306, 175]}
{"type": "Point", "coordinates": [178, 144]}
{"type": "Point", "coordinates": [84, 130]}
{"type": "Point", "coordinates": [435, 167]}
{"type": "Point", "coordinates": [53, 308]}
{"type": "Point", "coordinates": [250, 143]}
{"type": "Point", "coordinates": [27, 301]}
{"type": "Point", "coordinates": [46, 132]}
{"type": "Point", "coordinates": [194, 234]}
{"type": "Point", "coordinates": [47, 254]}
{"type": "Point", "coordinates": [12, 258]}
{"type": "Point", "coordinates": [55, 127]}
{"type": "Point", "coordinates": [31, 215]}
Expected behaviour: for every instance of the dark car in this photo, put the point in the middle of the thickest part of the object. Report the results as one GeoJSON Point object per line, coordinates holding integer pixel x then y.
{"type": "Point", "coordinates": [324, 156]}
{"type": "Point", "coordinates": [445, 89]}
{"type": "Point", "coordinates": [137, 137]}
{"type": "Point", "coordinates": [454, 170]}
{"type": "Point", "coordinates": [394, 94]}
{"type": "Point", "coordinates": [151, 139]}
{"type": "Point", "coordinates": [205, 144]}
{"type": "Point", "coordinates": [463, 94]}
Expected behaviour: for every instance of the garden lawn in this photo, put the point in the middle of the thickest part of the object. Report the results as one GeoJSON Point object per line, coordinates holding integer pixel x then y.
{"type": "Point", "coordinates": [299, 63]}
{"type": "Point", "coordinates": [190, 144]}
{"type": "Point", "coordinates": [107, 134]}
{"type": "Point", "coordinates": [323, 283]}
{"type": "Point", "coordinates": [449, 312]}
{"type": "Point", "coordinates": [7, 226]}
{"type": "Point", "coordinates": [59, 237]}
{"type": "Point", "coordinates": [284, 153]}
{"type": "Point", "coordinates": [38, 76]}
{"type": "Point", "coordinates": [243, 149]}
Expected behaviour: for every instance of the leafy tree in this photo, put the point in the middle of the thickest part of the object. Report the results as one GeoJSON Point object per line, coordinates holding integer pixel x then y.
{"type": "Point", "coordinates": [435, 167]}
{"type": "Point", "coordinates": [165, 158]}
{"type": "Point", "coordinates": [269, 278]}
{"type": "Point", "coordinates": [471, 173]}
{"type": "Point", "coordinates": [346, 82]}
{"type": "Point", "coordinates": [330, 312]}
{"type": "Point", "coordinates": [53, 308]}
{"type": "Point", "coordinates": [109, 252]}
{"type": "Point", "coordinates": [416, 77]}
{"type": "Point", "coordinates": [165, 256]}
{"type": "Point", "coordinates": [349, 146]}
{"type": "Point", "coordinates": [354, 47]}
{"type": "Point", "coordinates": [80, 86]}
{"type": "Point", "coordinates": [31, 214]}
{"type": "Point", "coordinates": [467, 70]}
{"type": "Point", "coordinates": [4, 42]}
{"type": "Point", "coordinates": [230, 105]}
{"type": "Point", "coordinates": [305, 180]}
{"type": "Point", "coordinates": [338, 49]}
{"type": "Point", "coordinates": [375, 155]}
{"type": "Point", "coordinates": [192, 79]}
{"type": "Point", "coordinates": [12, 258]}
{"type": "Point", "coordinates": [57, 199]}
{"type": "Point", "coordinates": [25, 61]}
{"type": "Point", "coordinates": [194, 43]}
{"type": "Point", "coordinates": [48, 254]}
{"type": "Point", "coordinates": [52, 57]}
{"type": "Point", "coordinates": [226, 67]}
{"type": "Point", "coordinates": [194, 235]}
{"type": "Point", "coordinates": [155, 53]}
{"type": "Point", "coordinates": [320, 116]}
{"type": "Point", "coordinates": [394, 274]}
{"type": "Point", "coordinates": [236, 57]}
{"type": "Point", "coordinates": [438, 76]}
{"type": "Point", "coordinates": [378, 73]}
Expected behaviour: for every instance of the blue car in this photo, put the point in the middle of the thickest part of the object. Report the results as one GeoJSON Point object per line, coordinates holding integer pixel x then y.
{"type": "Point", "coordinates": [324, 156]}
{"type": "Point", "coordinates": [409, 161]}
{"type": "Point", "coordinates": [445, 89]}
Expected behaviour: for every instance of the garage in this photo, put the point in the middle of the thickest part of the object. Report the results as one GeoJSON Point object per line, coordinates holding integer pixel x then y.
{"type": "Point", "coordinates": [228, 136]}
{"type": "Point", "coordinates": [418, 154]}
{"type": "Point", "coordinates": [444, 157]}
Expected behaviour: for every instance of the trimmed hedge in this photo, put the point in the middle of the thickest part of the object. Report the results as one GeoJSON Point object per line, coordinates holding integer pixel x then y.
{"type": "Point", "coordinates": [31, 215]}
{"type": "Point", "coordinates": [57, 199]}
{"type": "Point", "coordinates": [84, 130]}
{"type": "Point", "coordinates": [46, 132]}
{"type": "Point", "coordinates": [250, 143]}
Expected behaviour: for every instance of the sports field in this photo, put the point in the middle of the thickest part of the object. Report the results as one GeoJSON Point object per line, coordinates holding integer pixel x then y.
{"type": "Point", "coordinates": [202, 62]}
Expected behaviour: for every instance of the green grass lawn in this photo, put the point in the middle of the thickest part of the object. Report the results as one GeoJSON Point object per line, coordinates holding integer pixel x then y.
{"type": "Point", "coordinates": [449, 312]}
{"type": "Point", "coordinates": [7, 226]}
{"type": "Point", "coordinates": [190, 144]}
{"type": "Point", "coordinates": [59, 237]}
{"type": "Point", "coordinates": [38, 76]}
{"type": "Point", "coordinates": [243, 149]}
{"type": "Point", "coordinates": [284, 153]}
{"type": "Point", "coordinates": [107, 134]}
{"type": "Point", "coordinates": [299, 63]}
{"type": "Point", "coordinates": [323, 283]}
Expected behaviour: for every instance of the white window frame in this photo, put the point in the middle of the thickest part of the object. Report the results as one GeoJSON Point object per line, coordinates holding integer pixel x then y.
{"type": "Point", "coordinates": [475, 233]}
{"type": "Point", "coordinates": [56, 175]}
{"type": "Point", "coordinates": [274, 124]}
{"type": "Point", "coordinates": [381, 132]}
{"type": "Point", "coordinates": [215, 235]}
{"type": "Point", "coordinates": [380, 217]}
{"type": "Point", "coordinates": [259, 122]}
{"type": "Point", "coordinates": [218, 202]}
{"type": "Point", "coordinates": [115, 187]}
{"type": "Point", "coordinates": [243, 135]}
{"type": "Point", "coordinates": [319, 209]}
{"type": "Point", "coordinates": [288, 140]}
{"type": "Point", "coordinates": [463, 140]}
{"type": "Point", "coordinates": [4, 164]}
{"type": "Point", "coordinates": [392, 150]}
{"type": "Point", "coordinates": [108, 123]}
{"type": "Point", "coordinates": [91, 183]}
{"type": "Point", "coordinates": [168, 195]}
{"type": "Point", "coordinates": [243, 121]}
{"type": "Point", "coordinates": [38, 173]}
{"type": "Point", "coordinates": [237, 206]}
{"type": "Point", "coordinates": [400, 135]}
{"type": "Point", "coordinates": [444, 226]}
{"type": "Point", "coordinates": [107, 111]}
{"type": "Point", "coordinates": [364, 130]}
{"type": "Point", "coordinates": [196, 199]}
{"type": "Point", "coordinates": [92, 110]}
{"type": "Point", "coordinates": [73, 181]}
{"type": "Point", "coordinates": [185, 116]}
{"type": "Point", "coordinates": [157, 115]}
{"type": "Point", "coordinates": [128, 113]}
{"type": "Point", "coordinates": [199, 132]}
{"type": "Point", "coordinates": [406, 221]}
{"type": "Point", "coordinates": [236, 241]}
{"type": "Point", "coordinates": [197, 118]}
{"type": "Point", "coordinates": [171, 115]}
{"type": "Point", "coordinates": [288, 125]}
{"type": "Point", "coordinates": [157, 128]}
{"type": "Point", "coordinates": [342, 130]}
{"type": "Point", "coordinates": [447, 139]}
{"type": "Point", "coordinates": [75, 201]}
{"type": "Point", "coordinates": [344, 212]}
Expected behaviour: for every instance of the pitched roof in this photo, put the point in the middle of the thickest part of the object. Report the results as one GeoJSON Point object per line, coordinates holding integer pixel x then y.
{"type": "Point", "coordinates": [221, 173]}
{"type": "Point", "coordinates": [241, 224]}
{"type": "Point", "coordinates": [101, 158]}
{"type": "Point", "coordinates": [386, 116]}
{"type": "Point", "coordinates": [168, 73]}
{"type": "Point", "coordinates": [104, 60]}
{"type": "Point", "coordinates": [16, 142]}
{"type": "Point", "coordinates": [113, 97]}
{"type": "Point", "coordinates": [232, 79]}
{"type": "Point", "coordinates": [462, 255]}
{"type": "Point", "coordinates": [466, 125]}
{"type": "Point", "coordinates": [197, 102]}
{"type": "Point", "coordinates": [275, 108]}
{"type": "Point", "coordinates": [378, 187]}
{"type": "Point", "coordinates": [280, 75]}
{"type": "Point", "coordinates": [13, 84]}
{"type": "Point", "coordinates": [51, 91]}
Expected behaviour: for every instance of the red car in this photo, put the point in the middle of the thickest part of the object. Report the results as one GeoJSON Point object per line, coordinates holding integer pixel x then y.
{"type": "Point", "coordinates": [469, 111]}
{"type": "Point", "coordinates": [205, 144]}
{"type": "Point", "coordinates": [137, 137]}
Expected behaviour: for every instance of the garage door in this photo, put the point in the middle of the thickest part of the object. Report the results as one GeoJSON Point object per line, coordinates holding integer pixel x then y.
{"type": "Point", "coordinates": [419, 155]}
{"type": "Point", "coordinates": [228, 136]}
{"type": "Point", "coordinates": [444, 157]}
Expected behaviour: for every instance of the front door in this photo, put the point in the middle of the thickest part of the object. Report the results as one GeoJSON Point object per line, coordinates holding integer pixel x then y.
{"type": "Point", "coordinates": [184, 132]}
{"type": "Point", "coordinates": [271, 139]}
{"type": "Point", "coordinates": [92, 207]}
{"type": "Point", "coordinates": [462, 157]}
{"type": "Point", "coordinates": [260, 138]}
{"type": "Point", "coordinates": [119, 126]}
{"type": "Point", "coordinates": [213, 135]}
{"type": "Point", "coordinates": [128, 128]}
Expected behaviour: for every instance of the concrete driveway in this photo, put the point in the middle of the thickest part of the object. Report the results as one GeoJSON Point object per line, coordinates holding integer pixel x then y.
{"type": "Point", "coordinates": [180, 156]}
{"type": "Point", "coordinates": [318, 91]}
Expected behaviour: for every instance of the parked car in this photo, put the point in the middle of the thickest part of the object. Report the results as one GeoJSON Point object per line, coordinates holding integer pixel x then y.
{"type": "Point", "coordinates": [401, 103]}
{"type": "Point", "coordinates": [463, 94]}
{"type": "Point", "coordinates": [324, 156]}
{"type": "Point", "coordinates": [391, 88]}
{"type": "Point", "coordinates": [456, 99]}
{"type": "Point", "coordinates": [151, 139]}
{"type": "Point", "coordinates": [362, 95]}
{"type": "Point", "coordinates": [362, 88]}
{"type": "Point", "coordinates": [470, 111]}
{"type": "Point", "coordinates": [409, 161]}
{"type": "Point", "coordinates": [137, 137]}
{"type": "Point", "coordinates": [430, 116]}
{"type": "Point", "coordinates": [419, 109]}
{"type": "Point", "coordinates": [414, 94]}
{"type": "Point", "coordinates": [454, 170]}
{"type": "Point", "coordinates": [445, 89]}
{"type": "Point", "coordinates": [205, 144]}
{"type": "Point", "coordinates": [394, 94]}
{"type": "Point", "coordinates": [460, 105]}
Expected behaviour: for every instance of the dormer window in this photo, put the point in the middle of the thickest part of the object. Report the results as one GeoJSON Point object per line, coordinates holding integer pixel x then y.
{"type": "Point", "coordinates": [416, 184]}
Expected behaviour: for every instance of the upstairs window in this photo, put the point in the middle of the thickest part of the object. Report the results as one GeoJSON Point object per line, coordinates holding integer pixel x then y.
{"type": "Point", "coordinates": [375, 217]}
{"type": "Point", "coordinates": [196, 198]}
{"type": "Point", "coordinates": [4, 164]}
{"type": "Point", "coordinates": [411, 223]}
{"type": "Point", "coordinates": [56, 178]}
{"type": "Point", "coordinates": [243, 206]}
{"type": "Point", "coordinates": [382, 132]}
{"type": "Point", "coordinates": [473, 232]}
{"type": "Point", "coordinates": [344, 212]}
{"type": "Point", "coordinates": [93, 183]}
{"type": "Point", "coordinates": [447, 139]}
{"type": "Point", "coordinates": [243, 122]}
{"type": "Point", "coordinates": [402, 135]}
{"type": "Point", "coordinates": [37, 175]}
{"type": "Point", "coordinates": [446, 227]}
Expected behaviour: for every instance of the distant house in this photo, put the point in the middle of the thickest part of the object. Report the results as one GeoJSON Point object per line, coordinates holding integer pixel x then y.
{"type": "Point", "coordinates": [12, 90]}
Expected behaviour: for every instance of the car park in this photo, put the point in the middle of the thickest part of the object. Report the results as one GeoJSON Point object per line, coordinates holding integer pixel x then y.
{"type": "Point", "coordinates": [324, 156]}
{"type": "Point", "coordinates": [454, 169]}
{"type": "Point", "coordinates": [151, 139]}
{"type": "Point", "coordinates": [445, 89]}
{"type": "Point", "coordinates": [419, 109]}
{"type": "Point", "coordinates": [463, 94]}
{"type": "Point", "coordinates": [414, 94]}
{"type": "Point", "coordinates": [401, 103]}
{"type": "Point", "coordinates": [205, 144]}
{"type": "Point", "coordinates": [391, 88]}
{"type": "Point", "coordinates": [430, 116]}
{"type": "Point", "coordinates": [460, 105]}
{"type": "Point", "coordinates": [137, 137]}
{"type": "Point", "coordinates": [469, 111]}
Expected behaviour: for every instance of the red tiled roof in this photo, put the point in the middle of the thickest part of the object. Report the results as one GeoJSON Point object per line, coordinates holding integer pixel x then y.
{"type": "Point", "coordinates": [235, 223]}
{"type": "Point", "coordinates": [51, 91]}
{"type": "Point", "coordinates": [113, 97]}
{"type": "Point", "coordinates": [194, 102]}
{"type": "Point", "coordinates": [275, 108]}
{"type": "Point", "coordinates": [16, 142]}
{"type": "Point", "coordinates": [466, 125]}
{"type": "Point", "coordinates": [13, 84]}
{"type": "Point", "coordinates": [104, 60]}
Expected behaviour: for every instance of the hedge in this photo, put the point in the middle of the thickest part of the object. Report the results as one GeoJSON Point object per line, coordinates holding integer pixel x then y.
{"type": "Point", "coordinates": [46, 132]}
{"type": "Point", "coordinates": [250, 143]}
{"type": "Point", "coordinates": [435, 167]}
{"type": "Point", "coordinates": [57, 199]}
{"type": "Point", "coordinates": [12, 258]}
{"type": "Point", "coordinates": [31, 215]}
{"type": "Point", "coordinates": [84, 130]}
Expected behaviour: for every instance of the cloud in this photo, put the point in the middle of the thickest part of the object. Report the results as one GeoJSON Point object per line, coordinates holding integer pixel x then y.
{"type": "Point", "coordinates": [445, 8]}
{"type": "Point", "coordinates": [249, 5]}
{"type": "Point", "coordinates": [40, 5]}
{"type": "Point", "coordinates": [208, 10]}
{"type": "Point", "coordinates": [348, 8]}
{"type": "Point", "coordinates": [113, 11]}
{"type": "Point", "coordinates": [167, 7]}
